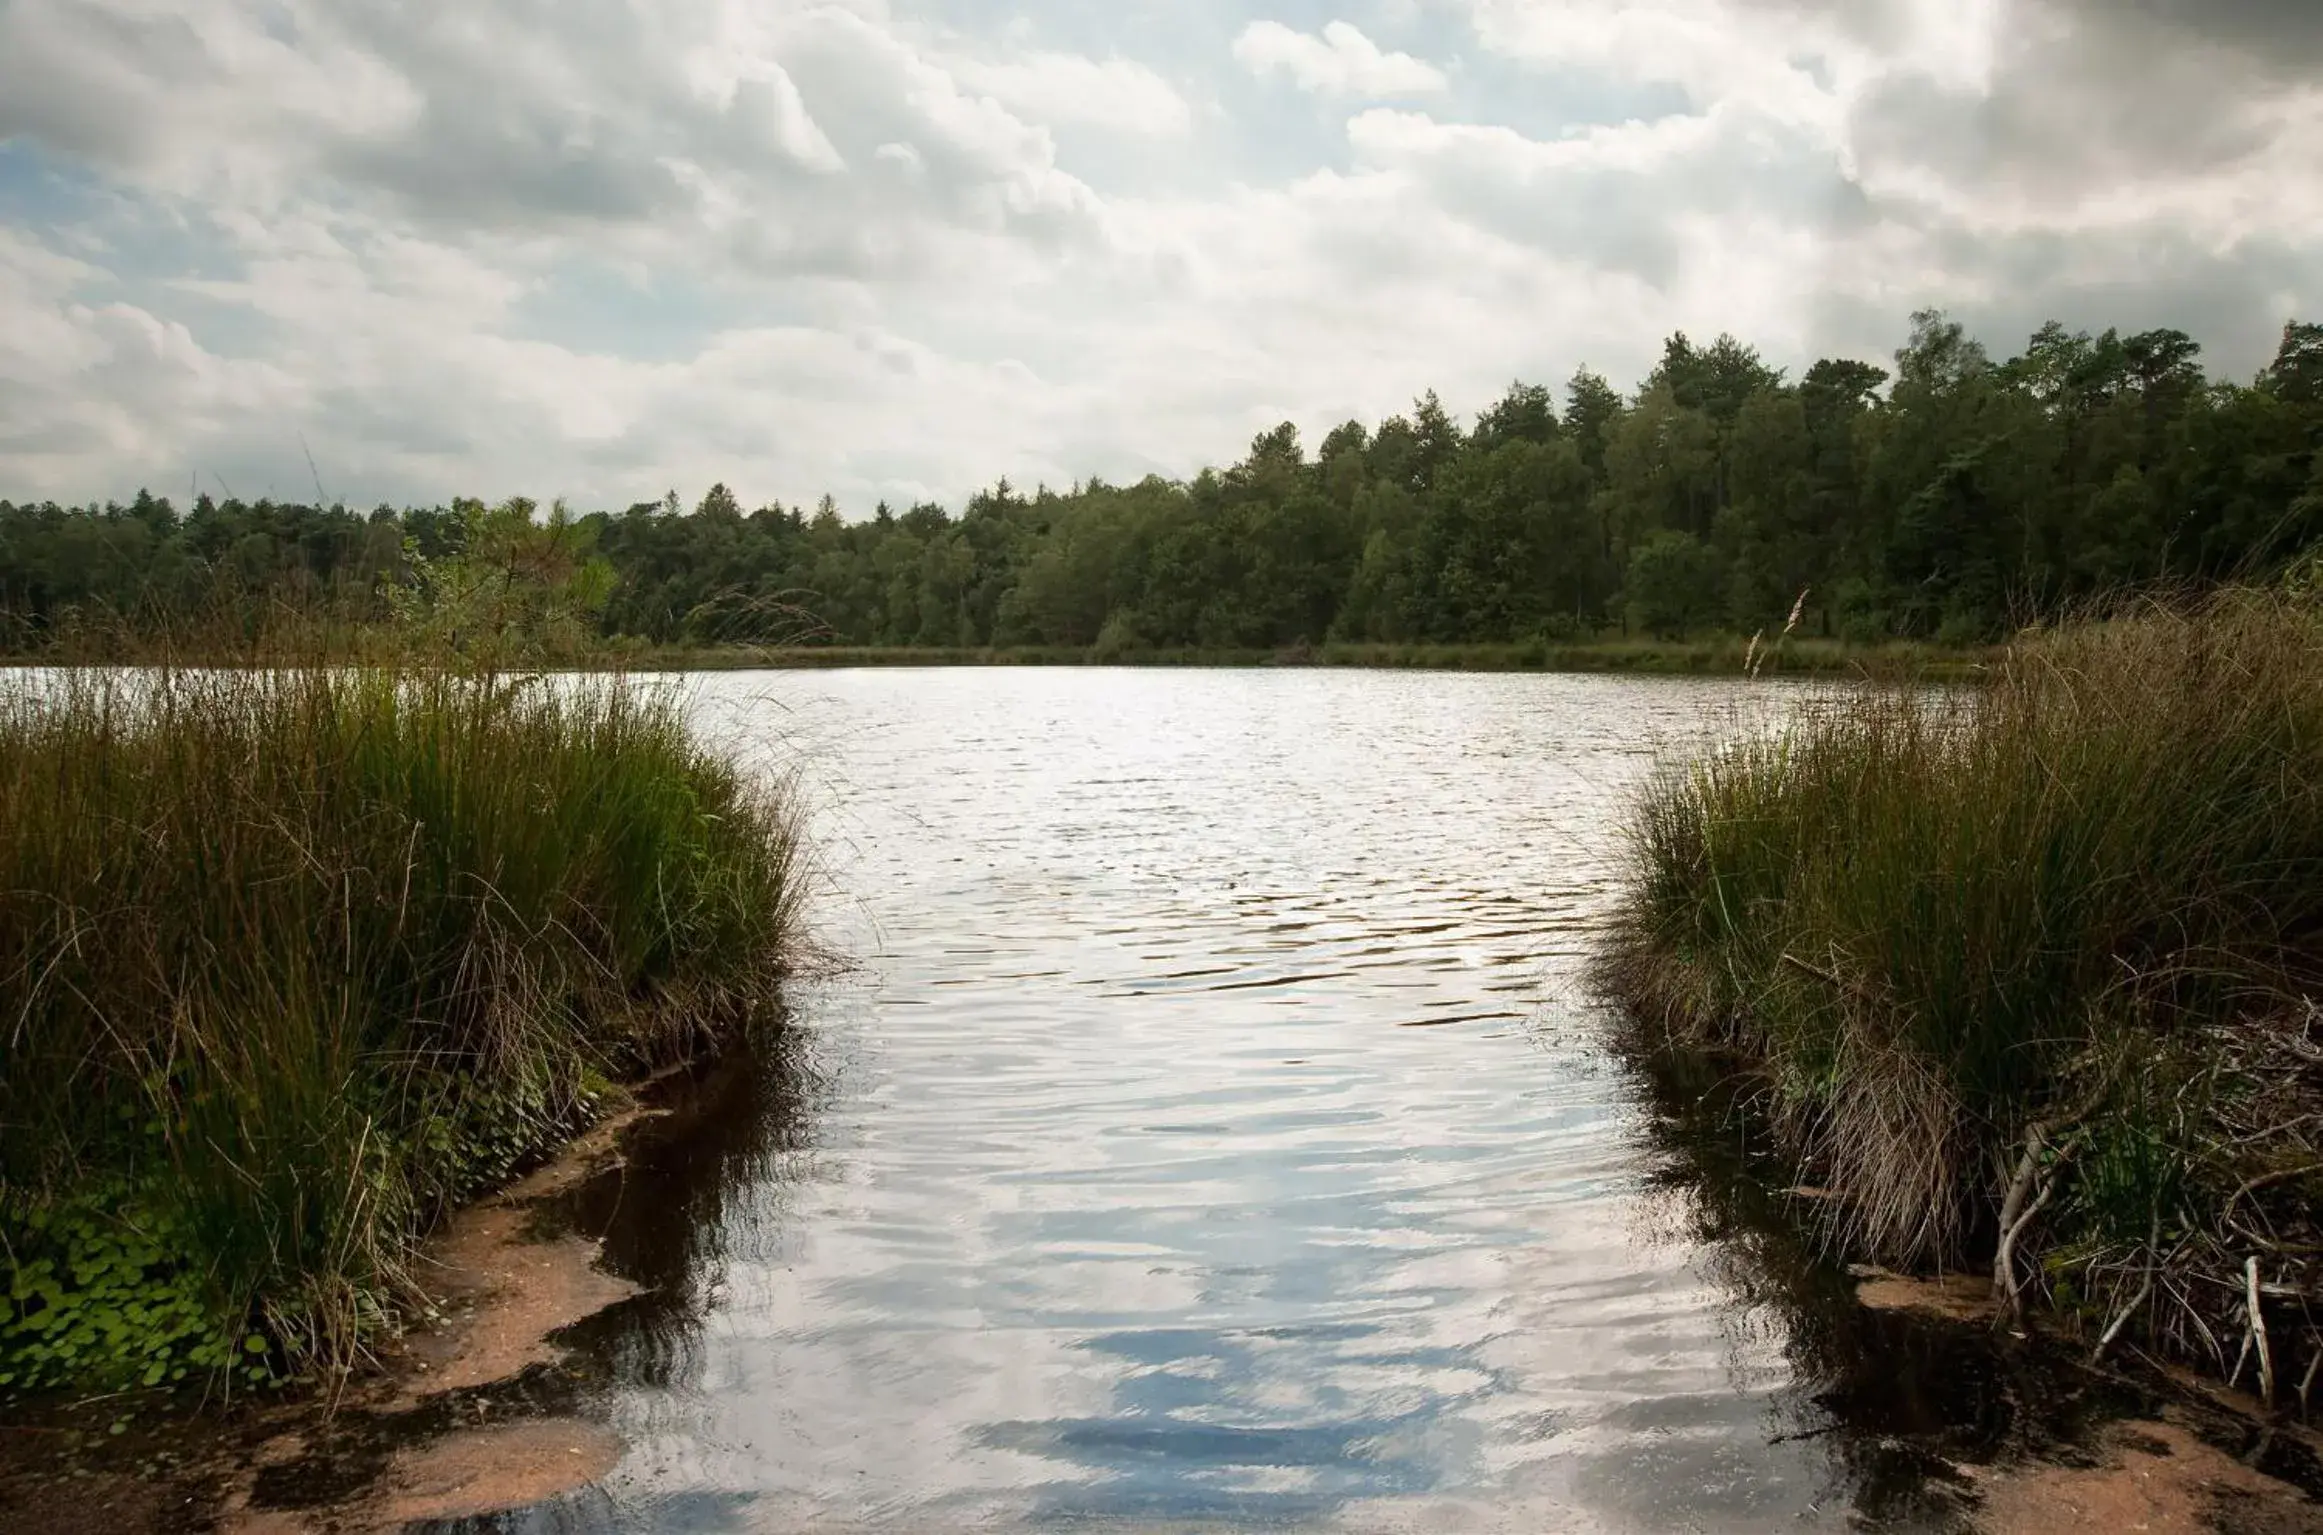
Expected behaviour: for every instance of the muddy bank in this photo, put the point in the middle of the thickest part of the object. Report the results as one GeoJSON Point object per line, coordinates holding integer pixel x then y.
{"type": "Point", "coordinates": [1945, 1414]}
{"type": "Point", "coordinates": [1955, 1297]}
{"type": "Point", "coordinates": [464, 1475]}
{"type": "Point", "coordinates": [422, 1440]}
{"type": "Point", "coordinates": [2158, 1477]}
{"type": "Point", "coordinates": [502, 1278]}
{"type": "Point", "coordinates": [467, 1413]}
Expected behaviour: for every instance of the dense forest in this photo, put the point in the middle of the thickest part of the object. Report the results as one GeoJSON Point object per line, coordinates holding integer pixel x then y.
{"type": "Point", "coordinates": [1945, 499]}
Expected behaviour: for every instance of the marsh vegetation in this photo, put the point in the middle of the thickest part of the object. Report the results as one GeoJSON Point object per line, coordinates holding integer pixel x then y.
{"type": "Point", "coordinates": [2027, 975]}
{"type": "Point", "coordinates": [294, 958]}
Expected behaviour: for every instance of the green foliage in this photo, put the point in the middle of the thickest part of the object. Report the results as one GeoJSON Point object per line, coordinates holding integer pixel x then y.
{"type": "Point", "coordinates": [300, 957]}
{"type": "Point", "coordinates": [1971, 495]}
{"type": "Point", "coordinates": [1673, 584]}
{"type": "Point", "coordinates": [2074, 916]}
{"type": "Point", "coordinates": [518, 588]}
{"type": "Point", "coordinates": [101, 1295]}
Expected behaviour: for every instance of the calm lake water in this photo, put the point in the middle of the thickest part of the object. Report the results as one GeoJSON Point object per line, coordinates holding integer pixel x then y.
{"type": "Point", "coordinates": [1213, 1134]}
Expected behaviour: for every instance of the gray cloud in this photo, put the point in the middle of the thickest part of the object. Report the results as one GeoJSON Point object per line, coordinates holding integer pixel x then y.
{"type": "Point", "coordinates": [2079, 103]}
{"type": "Point", "coordinates": [76, 87]}
{"type": "Point", "coordinates": [472, 162]}
{"type": "Point", "coordinates": [2231, 302]}
{"type": "Point", "coordinates": [2275, 36]}
{"type": "Point", "coordinates": [2282, 37]}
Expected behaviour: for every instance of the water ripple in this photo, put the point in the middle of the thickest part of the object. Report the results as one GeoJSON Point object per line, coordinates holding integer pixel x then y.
{"type": "Point", "coordinates": [1211, 1137]}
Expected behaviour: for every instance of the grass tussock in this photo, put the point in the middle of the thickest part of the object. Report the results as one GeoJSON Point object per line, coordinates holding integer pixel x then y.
{"type": "Point", "coordinates": [292, 959]}
{"type": "Point", "coordinates": [2030, 972]}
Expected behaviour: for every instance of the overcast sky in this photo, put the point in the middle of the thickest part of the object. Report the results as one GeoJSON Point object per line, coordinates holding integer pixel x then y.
{"type": "Point", "coordinates": [897, 248]}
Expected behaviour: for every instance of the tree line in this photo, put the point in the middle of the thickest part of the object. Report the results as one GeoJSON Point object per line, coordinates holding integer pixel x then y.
{"type": "Point", "coordinates": [1945, 499]}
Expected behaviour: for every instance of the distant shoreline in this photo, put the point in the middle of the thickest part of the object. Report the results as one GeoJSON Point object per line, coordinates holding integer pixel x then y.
{"type": "Point", "coordinates": [1723, 656]}
{"type": "Point", "coordinates": [1720, 656]}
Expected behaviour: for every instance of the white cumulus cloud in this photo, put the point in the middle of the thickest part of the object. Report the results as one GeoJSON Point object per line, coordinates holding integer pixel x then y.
{"type": "Point", "coordinates": [1340, 61]}
{"type": "Point", "coordinates": [1061, 88]}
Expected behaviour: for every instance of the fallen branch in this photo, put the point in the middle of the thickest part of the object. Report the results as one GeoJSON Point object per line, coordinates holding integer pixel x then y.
{"type": "Point", "coordinates": [2016, 1215]}
{"type": "Point", "coordinates": [2279, 1175]}
{"type": "Point", "coordinates": [2121, 1320]}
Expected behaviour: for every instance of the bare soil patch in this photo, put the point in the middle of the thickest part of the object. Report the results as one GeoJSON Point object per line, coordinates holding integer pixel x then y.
{"type": "Point", "coordinates": [1959, 1297]}
{"type": "Point", "coordinates": [500, 1289]}
{"type": "Point", "coordinates": [2151, 1477]}
{"type": "Point", "coordinates": [489, 1470]}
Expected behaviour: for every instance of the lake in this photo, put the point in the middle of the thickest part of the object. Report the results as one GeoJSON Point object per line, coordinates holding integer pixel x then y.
{"type": "Point", "coordinates": [1213, 1132]}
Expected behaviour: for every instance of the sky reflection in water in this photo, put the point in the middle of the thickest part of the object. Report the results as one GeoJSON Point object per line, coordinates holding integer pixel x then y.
{"type": "Point", "coordinates": [1123, 1184]}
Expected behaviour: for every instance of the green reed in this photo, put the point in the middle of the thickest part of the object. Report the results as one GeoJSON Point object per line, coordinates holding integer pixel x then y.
{"type": "Point", "coordinates": [294, 958]}
{"type": "Point", "coordinates": [2026, 968]}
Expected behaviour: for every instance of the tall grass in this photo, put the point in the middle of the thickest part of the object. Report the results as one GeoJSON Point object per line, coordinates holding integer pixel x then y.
{"type": "Point", "coordinates": [2028, 971]}
{"type": "Point", "coordinates": [291, 959]}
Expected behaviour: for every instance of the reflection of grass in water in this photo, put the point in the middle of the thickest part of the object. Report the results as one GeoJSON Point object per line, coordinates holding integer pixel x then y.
{"type": "Point", "coordinates": [2031, 960]}
{"type": "Point", "coordinates": [1897, 1399]}
{"type": "Point", "coordinates": [693, 1184]}
{"type": "Point", "coordinates": [293, 958]}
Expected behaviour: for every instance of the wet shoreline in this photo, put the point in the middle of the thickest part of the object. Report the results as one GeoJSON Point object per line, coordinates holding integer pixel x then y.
{"type": "Point", "coordinates": [498, 1409]}
{"type": "Point", "coordinates": [475, 1409]}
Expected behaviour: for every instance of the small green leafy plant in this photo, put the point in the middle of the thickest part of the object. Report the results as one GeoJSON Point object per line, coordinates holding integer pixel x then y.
{"type": "Point", "coordinates": [101, 1295]}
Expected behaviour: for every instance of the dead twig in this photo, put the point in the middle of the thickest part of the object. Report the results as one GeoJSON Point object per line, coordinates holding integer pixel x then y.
{"type": "Point", "coordinates": [1816, 971]}
{"type": "Point", "coordinates": [2145, 1289]}
{"type": "Point", "coordinates": [2258, 1331]}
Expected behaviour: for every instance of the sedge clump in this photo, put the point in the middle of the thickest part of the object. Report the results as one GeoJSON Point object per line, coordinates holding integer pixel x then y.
{"type": "Point", "coordinates": [293, 958]}
{"type": "Point", "coordinates": [2031, 972]}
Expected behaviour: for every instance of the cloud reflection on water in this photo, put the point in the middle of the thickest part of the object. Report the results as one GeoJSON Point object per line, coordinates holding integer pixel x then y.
{"type": "Point", "coordinates": [1110, 1189]}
